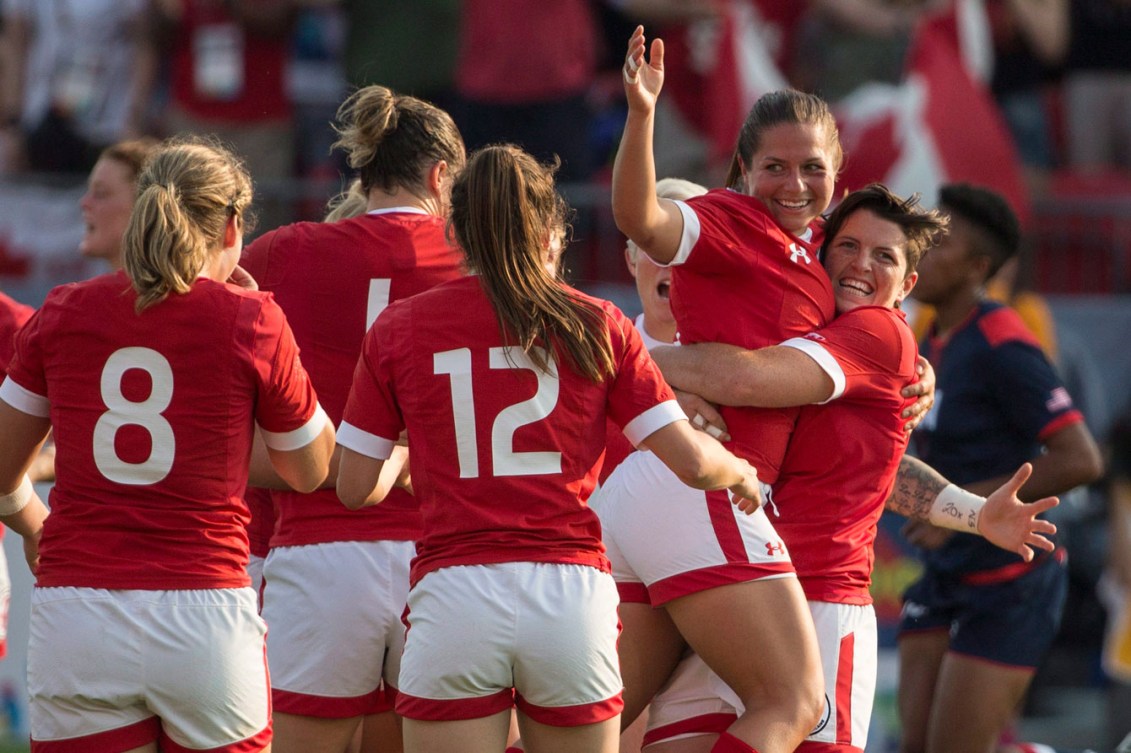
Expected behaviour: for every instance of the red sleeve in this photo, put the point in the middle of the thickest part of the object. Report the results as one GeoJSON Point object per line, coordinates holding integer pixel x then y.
{"type": "Point", "coordinates": [26, 364]}
{"type": "Point", "coordinates": [638, 384]}
{"type": "Point", "coordinates": [287, 399]}
{"type": "Point", "coordinates": [872, 345]}
{"type": "Point", "coordinates": [372, 404]}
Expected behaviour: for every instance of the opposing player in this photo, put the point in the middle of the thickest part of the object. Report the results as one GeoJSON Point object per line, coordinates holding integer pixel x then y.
{"type": "Point", "coordinates": [503, 381]}
{"type": "Point", "coordinates": [335, 642]}
{"type": "Point", "coordinates": [978, 622]}
{"type": "Point", "coordinates": [144, 633]}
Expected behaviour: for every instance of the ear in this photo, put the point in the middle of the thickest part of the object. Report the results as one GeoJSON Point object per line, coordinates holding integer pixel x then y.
{"type": "Point", "coordinates": [436, 176]}
{"type": "Point", "coordinates": [908, 285]}
{"type": "Point", "coordinates": [232, 231]}
{"type": "Point", "coordinates": [628, 263]}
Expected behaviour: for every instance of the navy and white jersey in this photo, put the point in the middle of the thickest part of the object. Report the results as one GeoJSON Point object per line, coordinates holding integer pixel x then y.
{"type": "Point", "coordinates": [997, 399]}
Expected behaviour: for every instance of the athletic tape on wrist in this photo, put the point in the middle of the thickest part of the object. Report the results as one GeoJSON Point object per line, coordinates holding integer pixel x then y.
{"type": "Point", "coordinates": [956, 509]}
{"type": "Point", "coordinates": [10, 504]}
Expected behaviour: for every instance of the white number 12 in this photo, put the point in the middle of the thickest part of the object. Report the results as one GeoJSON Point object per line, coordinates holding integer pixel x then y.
{"type": "Point", "coordinates": [505, 461]}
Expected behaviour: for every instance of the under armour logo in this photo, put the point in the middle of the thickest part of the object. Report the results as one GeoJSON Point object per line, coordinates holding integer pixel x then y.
{"type": "Point", "coordinates": [777, 548]}
{"type": "Point", "coordinates": [797, 252]}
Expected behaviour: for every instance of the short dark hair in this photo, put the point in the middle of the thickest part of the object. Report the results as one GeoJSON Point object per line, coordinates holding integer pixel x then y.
{"type": "Point", "coordinates": [922, 227]}
{"type": "Point", "coordinates": [998, 231]}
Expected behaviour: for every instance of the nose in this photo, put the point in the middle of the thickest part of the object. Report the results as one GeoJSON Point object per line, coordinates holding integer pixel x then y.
{"type": "Point", "coordinates": [84, 202]}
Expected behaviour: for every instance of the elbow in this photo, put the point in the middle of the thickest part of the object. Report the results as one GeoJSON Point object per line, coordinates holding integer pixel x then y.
{"type": "Point", "coordinates": [308, 480]}
{"type": "Point", "coordinates": [350, 497]}
{"type": "Point", "coordinates": [1091, 467]}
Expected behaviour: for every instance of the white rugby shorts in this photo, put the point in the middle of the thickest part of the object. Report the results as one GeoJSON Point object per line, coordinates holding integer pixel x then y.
{"type": "Point", "coordinates": [112, 670]}
{"type": "Point", "coordinates": [540, 636]}
{"type": "Point", "coordinates": [695, 700]}
{"type": "Point", "coordinates": [336, 633]}
{"type": "Point", "coordinates": [666, 540]}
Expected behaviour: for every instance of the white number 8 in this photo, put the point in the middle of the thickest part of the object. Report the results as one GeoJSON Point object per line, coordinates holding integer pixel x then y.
{"type": "Point", "coordinates": [146, 414]}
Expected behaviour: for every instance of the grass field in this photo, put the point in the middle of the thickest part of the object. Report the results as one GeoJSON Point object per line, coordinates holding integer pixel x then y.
{"type": "Point", "coordinates": [11, 747]}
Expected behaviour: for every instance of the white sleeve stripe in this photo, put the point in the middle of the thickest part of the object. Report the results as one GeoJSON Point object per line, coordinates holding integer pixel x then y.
{"type": "Point", "coordinates": [364, 443]}
{"type": "Point", "coordinates": [691, 231]}
{"type": "Point", "coordinates": [825, 360]}
{"type": "Point", "coordinates": [295, 439]}
{"type": "Point", "coordinates": [653, 419]}
{"type": "Point", "coordinates": [24, 400]}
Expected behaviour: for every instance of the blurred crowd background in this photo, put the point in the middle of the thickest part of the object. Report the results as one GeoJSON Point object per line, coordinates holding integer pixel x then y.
{"type": "Point", "coordinates": [1030, 97]}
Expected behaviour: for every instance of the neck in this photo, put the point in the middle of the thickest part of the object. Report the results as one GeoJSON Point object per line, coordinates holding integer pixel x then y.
{"type": "Point", "coordinates": [665, 333]}
{"type": "Point", "coordinates": [402, 197]}
{"type": "Point", "coordinates": [953, 311]}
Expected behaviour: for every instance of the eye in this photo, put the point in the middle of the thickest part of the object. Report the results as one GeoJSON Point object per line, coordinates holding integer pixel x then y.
{"type": "Point", "coordinates": [775, 168]}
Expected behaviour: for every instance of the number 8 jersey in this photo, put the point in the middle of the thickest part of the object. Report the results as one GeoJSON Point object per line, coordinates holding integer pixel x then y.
{"type": "Point", "coordinates": [152, 415]}
{"type": "Point", "coordinates": [504, 455]}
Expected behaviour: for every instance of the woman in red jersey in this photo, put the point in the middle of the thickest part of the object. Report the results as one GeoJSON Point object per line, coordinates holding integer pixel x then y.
{"type": "Point", "coordinates": [144, 632]}
{"type": "Point", "coordinates": [334, 649]}
{"type": "Point", "coordinates": [504, 380]}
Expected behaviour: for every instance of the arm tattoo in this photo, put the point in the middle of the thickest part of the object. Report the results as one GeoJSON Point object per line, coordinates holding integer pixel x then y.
{"type": "Point", "coordinates": [916, 486]}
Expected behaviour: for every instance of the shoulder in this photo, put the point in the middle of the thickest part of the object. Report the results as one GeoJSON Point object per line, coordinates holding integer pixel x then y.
{"type": "Point", "coordinates": [1001, 325]}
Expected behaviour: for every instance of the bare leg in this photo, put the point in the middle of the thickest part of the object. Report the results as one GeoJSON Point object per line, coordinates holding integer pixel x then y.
{"type": "Point", "coordinates": [601, 737]}
{"type": "Point", "coordinates": [484, 735]}
{"type": "Point", "coordinates": [758, 637]}
{"type": "Point", "coordinates": [981, 694]}
{"type": "Point", "coordinates": [650, 648]}
{"type": "Point", "coordinates": [920, 658]}
{"type": "Point", "coordinates": [632, 739]}
{"type": "Point", "coordinates": [295, 733]}
{"type": "Point", "coordinates": [381, 733]}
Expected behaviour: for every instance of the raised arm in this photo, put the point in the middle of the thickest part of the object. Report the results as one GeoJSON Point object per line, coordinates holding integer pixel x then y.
{"type": "Point", "coordinates": [655, 225]}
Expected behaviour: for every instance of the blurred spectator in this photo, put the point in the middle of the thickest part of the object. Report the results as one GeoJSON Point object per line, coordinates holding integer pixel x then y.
{"type": "Point", "coordinates": [848, 43]}
{"type": "Point", "coordinates": [523, 71]}
{"type": "Point", "coordinates": [1030, 41]}
{"type": "Point", "coordinates": [408, 47]}
{"type": "Point", "coordinates": [1097, 85]}
{"type": "Point", "coordinates": [228, 62]}
{"type": "Point", "coordinates": [76, 77]}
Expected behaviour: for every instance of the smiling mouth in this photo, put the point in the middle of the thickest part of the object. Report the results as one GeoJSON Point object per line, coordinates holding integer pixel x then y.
{"type": "Point", "coordinates": [855, 288]}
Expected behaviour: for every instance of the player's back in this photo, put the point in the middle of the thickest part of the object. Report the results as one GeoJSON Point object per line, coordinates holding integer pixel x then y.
{"type": "Point", "coordinates": [333, 280]}
{"type": "Point", "coordinates": [504, 455]}
{"type": "Point", "coordinates": [152, 415]}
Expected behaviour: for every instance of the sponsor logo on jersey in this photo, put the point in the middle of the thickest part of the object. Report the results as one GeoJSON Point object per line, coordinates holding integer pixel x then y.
{"type": "Point", "coordinates": [798, 252]}
{"type": "Point", "coordinates": [815, 336]}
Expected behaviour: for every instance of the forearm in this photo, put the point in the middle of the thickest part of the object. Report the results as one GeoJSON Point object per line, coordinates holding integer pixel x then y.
{"type": "Point", "coordinates": [775, 377]}
{"type": "Point", "coordinates": [635, 206]}
{"type": "Point", "coordinates": [917, 485]}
